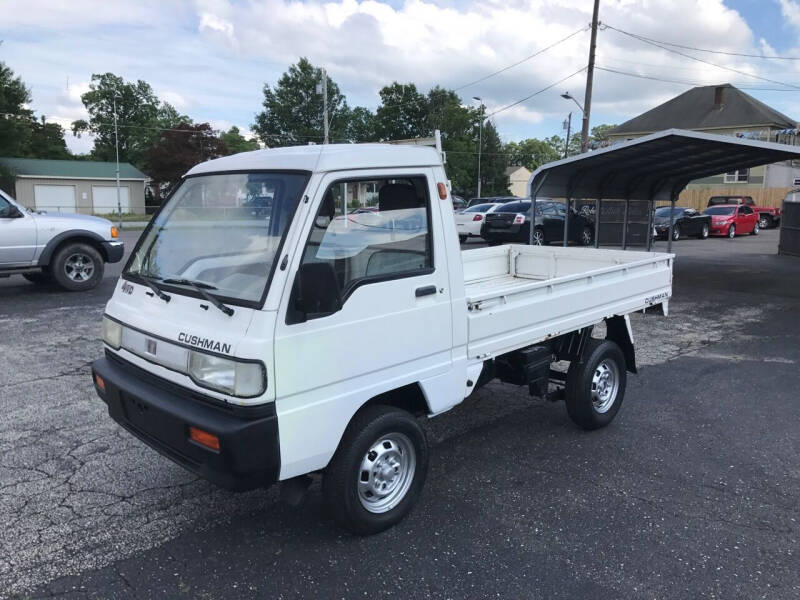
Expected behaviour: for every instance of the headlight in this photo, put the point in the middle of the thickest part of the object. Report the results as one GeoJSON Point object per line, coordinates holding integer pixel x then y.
{"type": "Point", "coordinates": [243, 379]}
{"type": "Point", "coordinates": [112, 333]}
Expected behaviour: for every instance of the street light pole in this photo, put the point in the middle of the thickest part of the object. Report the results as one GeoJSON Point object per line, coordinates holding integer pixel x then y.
{"type": "Point", "coordinates": [587, 100]}
{"type": "Point", "coordinates": [116, 148]}
{"type": "Point", "coordinates": [325, 105]}
{"type": "Point", "coordinates": [569, 127]}
{"type": "Point", "coordinates": [480, 144]}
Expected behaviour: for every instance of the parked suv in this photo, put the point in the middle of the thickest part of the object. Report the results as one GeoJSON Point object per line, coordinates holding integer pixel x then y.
{"type": "Point", "coordinates": [511, 223]}
{"type": "Point", "coordinates": [767, 216]}
{"type": "Point", "coordinates": [68, 249]}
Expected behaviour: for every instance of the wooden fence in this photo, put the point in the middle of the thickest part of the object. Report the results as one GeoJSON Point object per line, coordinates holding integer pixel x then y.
{"type": "Point", "coordinates": [697, 198]}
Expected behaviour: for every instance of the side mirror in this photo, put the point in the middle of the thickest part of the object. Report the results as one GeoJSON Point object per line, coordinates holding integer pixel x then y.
{"type": "Point", "coordinates": [12, 212]}
{"type": "Point", "coordinates": [315, 293]}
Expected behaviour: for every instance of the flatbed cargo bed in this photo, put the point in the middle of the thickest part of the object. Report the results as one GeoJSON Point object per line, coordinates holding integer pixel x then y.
{"type": "Point", "coordinates": [518, 295]}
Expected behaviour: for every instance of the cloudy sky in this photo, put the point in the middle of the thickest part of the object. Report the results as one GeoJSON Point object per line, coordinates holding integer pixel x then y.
{"type": "Point", "coordinates": [210, 58]}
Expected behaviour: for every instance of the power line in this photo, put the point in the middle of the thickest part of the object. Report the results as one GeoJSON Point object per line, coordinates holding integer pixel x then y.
{"type": "Point", "coordinates": [689, 56]}
{"type": "Point", "coordinates": [673, 44]}
{"type": "Point", "coordinates": [527, 58]}
{"type": "Point", "coordinates": [677, 81]}
{"type": "Point", "coordinates": [536, 93]}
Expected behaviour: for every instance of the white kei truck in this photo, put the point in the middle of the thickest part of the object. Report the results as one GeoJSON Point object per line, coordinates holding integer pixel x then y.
{"type": "Point", "coordinates": [298, 310]}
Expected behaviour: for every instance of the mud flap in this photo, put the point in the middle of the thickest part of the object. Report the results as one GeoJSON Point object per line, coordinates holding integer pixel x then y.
{"type": "Point", "coordinates": [618, 330]}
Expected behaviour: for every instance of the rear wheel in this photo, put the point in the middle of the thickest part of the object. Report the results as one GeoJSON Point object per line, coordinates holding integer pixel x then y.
{"type": "Point", "coordinates": [77, 267]}
{"type": "Point", "coordinates": [586, 236]}
{"type": "Point", "coordinates": [378, 471]}
{"type": "Point", "coordinates": [756, 228]}
{"type": "Point", "coordinates": [538, 236]}
{"type": "Point", "coordinates": [764, 221]}
{"type": "Point", "coordinates": [703, 232]}
{"type": "Point", "coordinates": [732, 232]}
{"type": "Point", "coordinates": [596, 385]}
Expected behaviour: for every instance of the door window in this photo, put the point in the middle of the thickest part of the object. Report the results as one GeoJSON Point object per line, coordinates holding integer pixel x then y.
{"type": "Point", "coordinates": [745, 210]}
{"type": "Point", "coordinates": [5, 208]}
{"type": "Point", "coordinates": [366, 231]}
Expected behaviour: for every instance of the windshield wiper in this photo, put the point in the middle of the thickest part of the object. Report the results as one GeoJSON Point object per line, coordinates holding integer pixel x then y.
{"type": "Point", "coordinates": [148, 281]}
{"type": "Point", "coordinates": [201, 287]}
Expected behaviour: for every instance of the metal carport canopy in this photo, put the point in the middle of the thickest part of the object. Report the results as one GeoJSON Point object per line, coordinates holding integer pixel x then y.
{"type": "Point", "coordinates": [653, 167]}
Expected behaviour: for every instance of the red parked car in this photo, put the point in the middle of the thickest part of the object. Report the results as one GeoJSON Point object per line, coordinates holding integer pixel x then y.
{"type": "Point", "coordinates": [767, 216]}
{"type": "Point", "coordinates": [733, 220]}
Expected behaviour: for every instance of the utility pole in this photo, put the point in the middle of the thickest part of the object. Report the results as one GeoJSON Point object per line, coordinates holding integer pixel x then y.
{"type": "Point", "coordinates": [587, 102]}
{"type": "Point", "coordinates": [116, 147]}
{"type": "Point", "coordinates": [568, 127]}
{"type": "Point", "coordinates": [325, 105]}
{"type": "Point", "coordinates": [480, 144]}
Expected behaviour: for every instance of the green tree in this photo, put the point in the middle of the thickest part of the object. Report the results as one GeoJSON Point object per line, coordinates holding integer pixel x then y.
{"type": "Point", "coordinates": [47, 141]}
{"type": "Point", "coordinates": [599, 133]}
{"type": "Point", "coordinates": [402, 114]}
{"type": "Point", "coordinates": [531, 153]}
{"type": "Point", "coordinates": [494, 181]}
{"type": "Point", "coordinates": [138, 114]}
{"type": "Point", "coordinates": [293, 109]}
{"type": "Point", "coordinates": [235, 142]}
{"type": "Point", "coordinates": [360, 125]}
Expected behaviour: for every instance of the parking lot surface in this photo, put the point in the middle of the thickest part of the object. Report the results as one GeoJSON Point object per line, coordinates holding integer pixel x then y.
{"type": "Point", "coordinates": [690, 493]}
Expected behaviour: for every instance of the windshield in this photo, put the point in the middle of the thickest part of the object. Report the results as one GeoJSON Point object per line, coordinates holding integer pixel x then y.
{"type": "Point", "coordinates": [664, 212]}
{"type": "Point", "coordinates": [720, 210]}
{"type": "Point", "coordinates": [479, 208]}
{"type": "Point", "coordinates": [221, 230]}
{"type": "Point", "coordinates": [514, 207]}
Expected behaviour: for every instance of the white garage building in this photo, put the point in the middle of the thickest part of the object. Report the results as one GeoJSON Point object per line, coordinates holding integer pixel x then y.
{"type": "Point", "coordinates": [81, 186]}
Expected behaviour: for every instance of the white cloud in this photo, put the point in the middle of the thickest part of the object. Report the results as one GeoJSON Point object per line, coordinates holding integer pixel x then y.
{"type": "Point", "coordinates": [210, 58]}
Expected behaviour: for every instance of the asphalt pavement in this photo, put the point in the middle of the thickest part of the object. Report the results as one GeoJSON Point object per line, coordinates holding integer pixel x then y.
{"type": "Point", "coordinates": [690, 493]}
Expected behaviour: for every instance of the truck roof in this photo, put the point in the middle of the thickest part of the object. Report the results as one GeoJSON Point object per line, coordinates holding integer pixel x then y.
{"type": "Point", "coordinates": [323, 158]}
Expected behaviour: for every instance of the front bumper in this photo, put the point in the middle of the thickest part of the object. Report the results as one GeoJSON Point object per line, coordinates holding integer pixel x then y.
{"type": "Point", "coordinates": [160, 413]}
{"type": "Point", "coordinates": [113, 251]}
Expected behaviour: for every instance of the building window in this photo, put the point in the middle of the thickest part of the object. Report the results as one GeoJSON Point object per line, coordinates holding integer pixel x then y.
{"type": "Point", "coordinates": [739, 176]}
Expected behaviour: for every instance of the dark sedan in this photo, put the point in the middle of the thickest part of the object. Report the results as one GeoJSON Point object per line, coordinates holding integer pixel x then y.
{"type": "Point", "coordinates": [511, 223]}
{"type": "Point", "coordinates": [686, 222]}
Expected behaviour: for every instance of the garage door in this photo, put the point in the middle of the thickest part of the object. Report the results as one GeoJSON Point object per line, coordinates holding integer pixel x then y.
{"type": "Point", "coordinates": [104, 198]}
{"type": "Point", "coordinates": [54, 198]}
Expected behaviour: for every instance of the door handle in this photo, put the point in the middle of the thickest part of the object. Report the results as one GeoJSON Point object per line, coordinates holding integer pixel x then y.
{"type": "Point", "coordinates": [425, 291]}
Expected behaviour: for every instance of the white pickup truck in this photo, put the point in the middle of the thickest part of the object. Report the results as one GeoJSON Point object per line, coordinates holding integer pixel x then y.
{"type": "Point", "coordinates": [297, 310]}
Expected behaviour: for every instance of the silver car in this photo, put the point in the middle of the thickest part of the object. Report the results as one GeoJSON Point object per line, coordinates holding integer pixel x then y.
{"type": "Point", "coordinates": [70, 250]}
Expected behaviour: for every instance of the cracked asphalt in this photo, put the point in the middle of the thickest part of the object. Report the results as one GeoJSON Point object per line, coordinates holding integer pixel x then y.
{"type": "Point", "coordinates": [691, 492]}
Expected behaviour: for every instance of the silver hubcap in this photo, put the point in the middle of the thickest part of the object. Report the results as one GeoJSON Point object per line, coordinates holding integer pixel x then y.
{"type": "Point", "coordinates": [587, 238]}
{"type": "Point", "coordinates": [79, 267]}
{"type": "Point", "coordinates": [538, 238]}
{"type": "Point", "coordinates": [386, 473]}
{"type": "Point", "coordinates": [762, 223]}
{"type": "Point", "coordinates": [731, 232]}
{"type": "Point", "coordinates": [676, 234]}
{"type": "Point", "coordinates": [605, 385]}
{"type": "Point", "coordinates": [756, 228]}
{"type": "Point", "coordinates": [705, 230]}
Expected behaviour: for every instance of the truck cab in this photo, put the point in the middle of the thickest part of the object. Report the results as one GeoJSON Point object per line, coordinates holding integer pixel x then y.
{"type": "Point", "coordinates": [256, 346]}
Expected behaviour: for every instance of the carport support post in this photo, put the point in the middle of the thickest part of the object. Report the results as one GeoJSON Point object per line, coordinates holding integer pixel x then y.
{"type": "Point", "coordinates": [534, 193]}
{"type": "Point", "coordinates": [597, 205]}
{"type": "Point", "coordinates": [671, 222]}
{"type": "Point", "coordinates": [566, 223]}
{"type": "Point", "coordinates": [625, 225]}
{"type": "Point", "coordinates": [649, 238]}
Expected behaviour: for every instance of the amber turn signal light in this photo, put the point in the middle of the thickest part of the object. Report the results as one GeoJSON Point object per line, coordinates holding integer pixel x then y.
{"type": "Point", "coordinates": [442, 191]}
{"type": "Point", "coordinates": [114, 232]}
{"type": "Point", "coordinates": [98, 381]}
{"type": "Point", "coordinates": [208, 440]}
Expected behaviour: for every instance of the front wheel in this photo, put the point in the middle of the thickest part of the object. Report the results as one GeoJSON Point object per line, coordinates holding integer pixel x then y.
{"type": "Point", "coordinates": [586, 236]}
{"type": "Point", "coordinates": [77, 267]}
{"type": "Point", "coordinates": [732, 232]}
{"type": "Point", "coordinates": [378, 471]}
{"type": "Point", "coordinates": [676, 233]}
{"type": "Point", "coordinates": [764, 222]}
{"type": "Point", "coordinates": [596, 385]}
{"type": "Point", "coordinates": [703, 232]}
{"type": "Point", "coordinates": [538, 237]}
{"type": "Point", "coordinates": [756, 229]}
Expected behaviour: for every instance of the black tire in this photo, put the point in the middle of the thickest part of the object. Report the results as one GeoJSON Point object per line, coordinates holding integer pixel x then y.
{"type": "Point", "coordinates": [538, 236]}
{"type": "Point", "coordinates": [42, 277]}
{"type": "Point", "coordinates": [764, 221]}
{"type": "Point", "coordinates": [462, 239]}
{"type": "Point", "coordinates": [756, 228]}
{"type": "Point", "coordinates": [703, 232]}
{"type": "Point", "coordinates": [77, 267]}
{"type": "Point", "coordinates": [676, 233]}
{"type": "Point", "coordinates": [341, 487]}
{"type": "Point", "coordinates": [732, 232]}
{"type": "Point", "coordinates": [586, 411]}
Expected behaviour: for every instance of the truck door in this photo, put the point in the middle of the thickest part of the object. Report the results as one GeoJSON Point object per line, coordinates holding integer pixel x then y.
{"type": "Point", "coordinates": [17, 235]}
{"type": "Point", "coordinates": [369, 309]}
